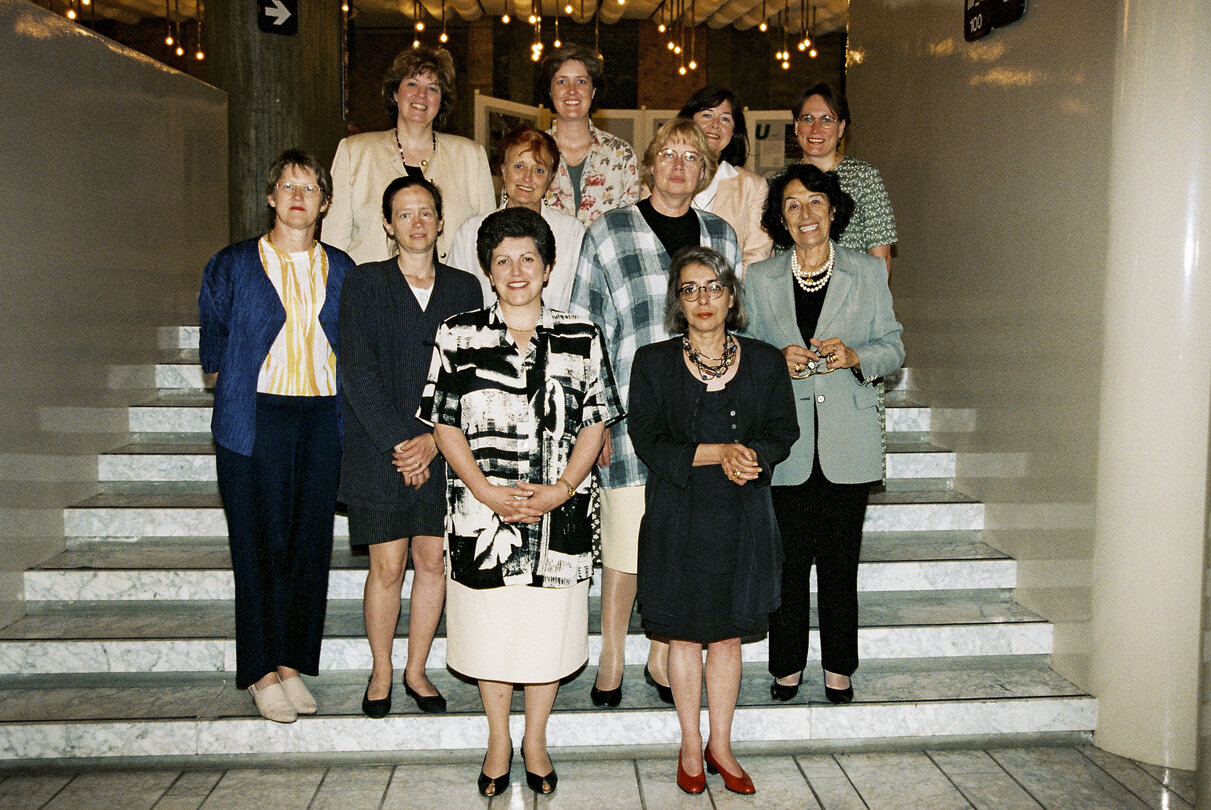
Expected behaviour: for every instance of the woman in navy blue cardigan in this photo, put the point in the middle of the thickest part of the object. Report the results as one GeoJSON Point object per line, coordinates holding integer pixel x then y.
{"type": "Point", "coordinates": [269, 344]}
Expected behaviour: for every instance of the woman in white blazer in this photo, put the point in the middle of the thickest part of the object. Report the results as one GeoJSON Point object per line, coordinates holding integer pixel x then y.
{"type": "Point", "coordinates": [830, 311]}
{"type": "Point", "coordinates": [418, 91]}
{"type": "Point", "coordinates": [735, 194]}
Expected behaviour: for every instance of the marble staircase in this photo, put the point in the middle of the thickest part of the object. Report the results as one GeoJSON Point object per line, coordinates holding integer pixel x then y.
{"type": "Point", "coordinates": [126, 648]}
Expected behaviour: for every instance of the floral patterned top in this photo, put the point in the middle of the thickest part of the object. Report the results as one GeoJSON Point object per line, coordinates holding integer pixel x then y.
{"type": "Point", "coordinates": [610, 178]}
{"type": "Point", "coordinates": [873, 222]}
{"type": "Point", "coordinates": [521, 414]}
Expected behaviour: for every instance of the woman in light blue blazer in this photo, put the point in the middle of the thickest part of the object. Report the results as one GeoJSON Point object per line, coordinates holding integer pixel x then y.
{"type": "Point", "coordinates": [829, 310]}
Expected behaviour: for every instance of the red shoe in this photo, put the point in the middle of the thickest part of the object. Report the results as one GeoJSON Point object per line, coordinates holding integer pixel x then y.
{"type": "Point", "coordinates": [741, 783]}
{"type": "Point", "coordinates": [690, 784]}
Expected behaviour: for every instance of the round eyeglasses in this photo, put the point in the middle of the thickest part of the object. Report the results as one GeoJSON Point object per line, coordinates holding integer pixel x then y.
{"type": "Point", "coordinates": [691, 292]}
{"type": "Point", "coordinates": [668, 156]}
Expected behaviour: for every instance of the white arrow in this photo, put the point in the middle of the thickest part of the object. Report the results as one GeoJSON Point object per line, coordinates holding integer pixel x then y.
{"type": "Point", "coordinates": [278, 11]}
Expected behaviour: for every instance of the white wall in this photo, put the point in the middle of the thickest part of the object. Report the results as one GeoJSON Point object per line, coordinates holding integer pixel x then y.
{"type": "Point", "coordinates": [114, 194]}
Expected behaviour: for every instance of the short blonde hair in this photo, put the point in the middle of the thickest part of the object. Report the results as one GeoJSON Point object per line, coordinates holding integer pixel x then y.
{"type": "Point", "coordinates": [681, 129]}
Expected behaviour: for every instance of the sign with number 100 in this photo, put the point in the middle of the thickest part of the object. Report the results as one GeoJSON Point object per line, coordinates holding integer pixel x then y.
{"type": "Point", "coordinates": [977, 19]}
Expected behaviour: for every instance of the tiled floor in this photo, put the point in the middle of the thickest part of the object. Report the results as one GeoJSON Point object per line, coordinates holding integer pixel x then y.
{"type": "Point", "coordinates": [1063, 778]}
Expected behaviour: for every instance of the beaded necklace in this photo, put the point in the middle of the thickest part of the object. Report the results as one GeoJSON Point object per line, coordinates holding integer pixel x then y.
{"type": "Point", "coordinates": [400, 147]}
{"type": "Point", "coordinates": [812, 282]}
{"type": "Point", "coordinates": [707, 371]}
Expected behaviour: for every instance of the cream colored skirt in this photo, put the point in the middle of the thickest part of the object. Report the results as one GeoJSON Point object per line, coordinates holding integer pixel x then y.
{"type": "Point", "coordinates": [621, 512]}
{"type": "Point", "coordinates": [517, 634]}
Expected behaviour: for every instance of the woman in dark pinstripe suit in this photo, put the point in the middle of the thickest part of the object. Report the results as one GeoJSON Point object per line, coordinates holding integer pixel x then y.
{"type": "Point", "coordinates": [392, 480]}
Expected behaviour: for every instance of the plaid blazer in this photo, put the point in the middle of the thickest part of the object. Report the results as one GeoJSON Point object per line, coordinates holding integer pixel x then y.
{"type": "Point", "coordinates": [621, 282]}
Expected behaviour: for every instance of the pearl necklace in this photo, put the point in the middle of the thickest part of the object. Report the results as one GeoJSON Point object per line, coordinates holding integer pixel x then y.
{"type": "Point", "coordinates": [812, 282]}
{"type": "Point", "coordinates": [399, 146]}
{"type": "Point", "coordinates": [706, 371]}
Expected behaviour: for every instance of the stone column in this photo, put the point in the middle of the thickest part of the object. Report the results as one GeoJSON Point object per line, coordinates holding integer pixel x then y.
{"type": "Point", "coordinates": [282, 92]}
{"type": "Point", "coordinates": [1147, 595]}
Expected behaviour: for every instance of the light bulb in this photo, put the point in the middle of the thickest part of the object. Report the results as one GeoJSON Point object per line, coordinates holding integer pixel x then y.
{"type": "Point", "coordinates": [786, 65]}
{"type": "Point", "coordinates": [345, 8]}
{"type": "Point", "coordinates": [168, 40]}
{"type": "Point", "coordinates": [415, 43]}
{"type": "Point", "coordinates": [681, 70]}
{"type": "Point", "coordinates": [420, 25]}
{"type": "Point", "coordinates": [807, 41]}
{"type": "Point", "coordinates": [180, 51]}
{"type": "Point", "coordinates": [71, 14]}
{"type": "Point", "coordinates": [801, 46]}
{"type": "Point", "coordinates": [693, 65]}
{"type": "Point", "coordinates": [199, 55]}
{"type": "Point", "coordinates": [85, 2]}
{"type": "Point", "coordinates": [812, 53]}
{"type": "Point", "coordinates": [661, 28]}
{"type": "Point", "coordinates": [504, 18]}
{"type": "Point", "coordinates": [677, 50]}
{"type": "Point", "coordinates": [556, 44]}
{"type": "Point", "coordinates": [534, 57]}
{"type": "Point", "coordinates": [444, 38]}
{"type": "Point", "coordinates": [533, 19]}
{"type": "Point", "coordinates": [763, 27]}
{"type": "Point", "coordinates": [567, 9]}
{"type": "Point", "coordinates": [671, 45]}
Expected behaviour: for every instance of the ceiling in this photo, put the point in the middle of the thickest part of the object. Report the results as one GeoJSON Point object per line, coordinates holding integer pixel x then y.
{"type": "Point", "coordinates": [829, 15]}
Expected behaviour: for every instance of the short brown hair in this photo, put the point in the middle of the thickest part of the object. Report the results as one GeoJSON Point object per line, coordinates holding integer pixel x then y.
{"type": "Point", "coordinates": [413, 62]}
{"type": "Point", "coordinates": [299, 160]}
{"type": "Point", "coordinates": [535, 141]}
{"type": "Point", "coordinates": [681, 129]}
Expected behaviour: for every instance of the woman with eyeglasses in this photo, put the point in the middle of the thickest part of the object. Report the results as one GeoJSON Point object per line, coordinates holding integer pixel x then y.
{"type": "Point", "coordinates": [619, 285]}
{"type": "Point", "coordinates": [269, 346]}
{"type": "Point", "coordinates": [821, 116]}
{"type": "Point", "coordinates": [829, 309]}
{"type": "Point", "coordinates": [710, 414]}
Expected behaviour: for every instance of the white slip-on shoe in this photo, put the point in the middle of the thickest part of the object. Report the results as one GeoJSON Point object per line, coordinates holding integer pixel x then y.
{"type": "Point", "coordinates": [273, 704]}
{"type": "Point", "coordinates": [299, 695]}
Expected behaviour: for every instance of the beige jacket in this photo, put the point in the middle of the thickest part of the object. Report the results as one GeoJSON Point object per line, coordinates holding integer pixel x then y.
{"type": "Point", "coordinates": [739, 201]}
{"type": "Point", "coordinates": [366, 163]}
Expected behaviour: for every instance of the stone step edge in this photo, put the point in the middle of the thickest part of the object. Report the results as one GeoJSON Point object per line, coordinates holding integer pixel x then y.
{"type": "Point", "coordinates": [80, 656]}
{"type": "Point", "coordinates": [126, 585]}
{"type": "Point", "coordinates": [252, 736]}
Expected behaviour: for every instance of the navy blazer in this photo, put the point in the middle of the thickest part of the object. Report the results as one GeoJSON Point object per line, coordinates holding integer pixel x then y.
{"type": "Point", "coordinates": [665, 404]}
{"type": "Point", "coordinates": [241, 315]}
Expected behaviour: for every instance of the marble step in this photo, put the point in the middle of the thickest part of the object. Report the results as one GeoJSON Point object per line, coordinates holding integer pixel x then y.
{"type": "Point", "coordinates": [48, 718]}
{"type": "Point", "coordinates": [103, 571]}
{"type": "Point", "coordinates": [198, 636]}
{"type": "Point", "coordinates": [192, 509]}
{"type": "Point", "coordinates": [188, 410]}
{"type": "Point", "coordinates": [190, 457]}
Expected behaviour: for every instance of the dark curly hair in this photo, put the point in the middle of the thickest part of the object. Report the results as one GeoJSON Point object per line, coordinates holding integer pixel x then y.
{"type": "Point", "coordinates": [813, 180]}
{"type": "Point", "coordinates": [513, 222]}
{"type": "Point", "coordinates": [736, 151]}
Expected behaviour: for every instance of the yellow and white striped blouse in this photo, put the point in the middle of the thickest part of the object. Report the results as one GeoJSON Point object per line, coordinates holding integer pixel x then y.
{"type": "Point", "coordinates": [300, 362]}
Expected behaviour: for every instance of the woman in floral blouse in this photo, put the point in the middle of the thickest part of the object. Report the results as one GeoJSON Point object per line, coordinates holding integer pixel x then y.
{"type": "Point", "coordinates": [519, 396]}
{"type": "Point", "coordinates": [597, 171]}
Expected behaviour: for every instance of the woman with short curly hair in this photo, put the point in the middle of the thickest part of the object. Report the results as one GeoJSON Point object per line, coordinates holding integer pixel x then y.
{"type": "Point", "coordinates": [418, 93]}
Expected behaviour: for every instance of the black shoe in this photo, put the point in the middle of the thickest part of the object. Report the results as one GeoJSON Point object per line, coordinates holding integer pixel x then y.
{"type": "Point", "coordinates": [432, 704]}
{"type": "Point", "coordinates": [839, 696]}
{"type": "Point", "coordinates": [606, 697]}
{"type": "Point", "coordinates": [377, 709]}
{"type": "Point", "coordinates": [494, 786]}
{"type": "Point", "coordinates": [542, 785]}
{"type": "Point", "coordinates": [782, 692]}
{"type": "Point", "coordinates": [665, 692]}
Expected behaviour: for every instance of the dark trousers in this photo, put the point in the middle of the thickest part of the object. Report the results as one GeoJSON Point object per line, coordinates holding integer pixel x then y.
{"type": "Point", "coordinates": [820, 523]}
{"type": "Point", "coordinates": [279, 504]}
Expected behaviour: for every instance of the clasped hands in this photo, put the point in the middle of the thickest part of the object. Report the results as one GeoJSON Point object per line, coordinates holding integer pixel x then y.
{"type": "Point", "coordinates": [523, 503]}
{"type": "Point", "coordinates": [412, 458]}
{"type": "Point", "coordinates": [739, 464]}
{"type": "Point", "coordinates": [832, 351]}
